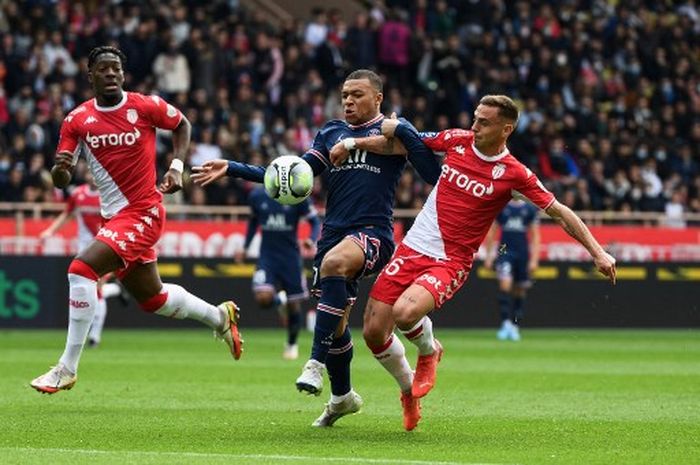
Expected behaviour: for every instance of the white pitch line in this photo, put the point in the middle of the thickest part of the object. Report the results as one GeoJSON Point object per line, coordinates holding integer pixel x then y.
{"type": "Point", "coordinates": [239, 456]}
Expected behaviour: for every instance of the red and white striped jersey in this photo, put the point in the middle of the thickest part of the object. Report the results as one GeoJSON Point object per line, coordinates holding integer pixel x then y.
{"type": "Point", "coordinates": [473, 188]}
{"type": "Point", "coordinates": [84, 203]}
{"type": "Point", "coordinates": [119, 143]}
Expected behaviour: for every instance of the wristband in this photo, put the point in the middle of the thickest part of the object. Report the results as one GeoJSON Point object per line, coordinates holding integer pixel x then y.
{"type": "Point", "coordinates": [349, 143]}
{"type": "Point", "coordinates": [177, 165]}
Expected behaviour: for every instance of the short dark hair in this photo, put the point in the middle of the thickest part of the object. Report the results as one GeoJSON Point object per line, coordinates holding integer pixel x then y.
{"type": "Point", "coordinates": [97, 51]}
{"type": "Point", "coordinates": [373, 77]}
{"type": "Point", "coordinates": [506, 106]}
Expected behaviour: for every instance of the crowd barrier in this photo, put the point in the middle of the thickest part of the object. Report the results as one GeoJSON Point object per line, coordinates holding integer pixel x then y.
{"type": "Point", "coordinates": [34, 293]}
{"type": "Point", "coordinates": [198, 238]}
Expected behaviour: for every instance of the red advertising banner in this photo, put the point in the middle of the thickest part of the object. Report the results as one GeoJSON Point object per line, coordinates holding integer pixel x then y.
{"type": "Point", "coordinates": [187, 238]}
{"type": "Point", "coordinates": [626, 243]}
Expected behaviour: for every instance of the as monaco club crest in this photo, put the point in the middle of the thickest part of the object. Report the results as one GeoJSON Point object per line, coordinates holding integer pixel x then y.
{"type": "Point", "coordinates": [498, 170]}
{"type": "Point", "coordinates": [132, 116]}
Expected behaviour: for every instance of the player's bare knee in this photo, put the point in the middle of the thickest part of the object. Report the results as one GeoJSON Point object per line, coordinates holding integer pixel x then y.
{"type": "Point", "coordinates": [375, 335]}
{"type": "Point", "coordinates": [337, 264]}
{"type": "Point", "coordinates": [294, 307]}
{"type": "Point", "coordinates": [371, 330]}
{"type": "Point", "coordinates": [505, 285]}
{"type": "Point", "coordinates": [143, 282]}
{"type": "Point", "coordinates": [375, 329]}
{"type": "Point", "coordinates": [264, 299]}
{"type": "Point", "coordinates": [406, 313]}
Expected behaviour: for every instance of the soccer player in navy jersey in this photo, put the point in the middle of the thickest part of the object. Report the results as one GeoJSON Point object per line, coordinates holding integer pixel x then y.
{"type": "Point", "coordinates": [516, 258]}
{"type": "Point", "coordinates": [279, 276]}
{"type": "Point", "coordinates": [478, 176]}
{"type": "Point", "coordinates": [357, 238]}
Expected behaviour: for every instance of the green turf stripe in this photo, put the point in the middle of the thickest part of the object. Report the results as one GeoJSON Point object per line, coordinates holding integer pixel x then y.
{"type": "Point", "coordinates": [253, 457]}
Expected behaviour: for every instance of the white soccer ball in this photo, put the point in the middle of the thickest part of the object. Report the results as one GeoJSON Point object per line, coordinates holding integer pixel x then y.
{"type": "Point", "coordinates": [289, 179]}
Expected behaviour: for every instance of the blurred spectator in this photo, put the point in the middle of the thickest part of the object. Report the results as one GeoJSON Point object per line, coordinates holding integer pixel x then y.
{"type": "Point", "coordinates": [13, 191]}
{"type": "Point", "coordinates": [558, 165]}
{"type": "Point", "coordinates": [674, 210]}
{"type": "Point", "coordinates": [394, 43]}
{"type": "Point", "coordinates": [652, 187]}
{"type": "Point", "coordinates": [361, 43]}
{"type": "Point", "coordinates": [56, 54]}
{"type": "Point", "coordinates": [205, 149]}
{"type": "Point", "coordinates": [609, 91]}
{"type": "Point", "coordinates": [171, 71]}
{"type": "Point", "coordinates": [317, 29]}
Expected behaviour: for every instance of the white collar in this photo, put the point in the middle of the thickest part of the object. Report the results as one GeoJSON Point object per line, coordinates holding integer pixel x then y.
{"type": "Point", "coordinates": [489, 158]}
{"type": "Point", "coordinates": [114, 107]}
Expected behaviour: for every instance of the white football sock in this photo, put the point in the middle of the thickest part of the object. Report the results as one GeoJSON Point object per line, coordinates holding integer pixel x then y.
{"type": "Point", "coordinates": [111, 290]}
{"type": "Point", "coordinates": [81, 311]}
{"type": "Point", "coordinates": [98, 321]}
{"type": "Point", "coordinates": [338, 399]}
{"type": "Point", "coordinates": [181, 304]}
{"type": "Point", "coordinates": [422, 336]}
{"type": "Point", "coordinates": [393, 359]}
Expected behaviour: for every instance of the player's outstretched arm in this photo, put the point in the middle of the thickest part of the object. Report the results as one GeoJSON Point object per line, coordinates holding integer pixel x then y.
{"type": "Point", "coordinates": [375, 144]}
{"type": "Point", "coordinates": [61, 172]}
{"type": "Point", "coordinates": [55, 225]}
{"type": "Point", "coordinates": [212, 170]}
{"type": "Point", "coordinates": [419, 154]}
{"type": "Point", "coordinates": [172, 181]}
{"type": "Point", "coordinates": [209, 172]}
{"type": "Point", "coordinates": [576, 228]}
{"type": "Point", "coordinates": [535, 242]}
{"type": "Point", "coordinates": [251, 229]}
{"type": "Point", "coordinates": [490, 246]}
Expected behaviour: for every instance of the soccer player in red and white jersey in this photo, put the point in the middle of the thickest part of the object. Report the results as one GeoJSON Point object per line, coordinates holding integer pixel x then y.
{"type": "Point", "coordinates": [117, 133]}
{"type": "Point", "coordinates": [83, 204]}
{"type": "Point", "coordinates": [433, 261]}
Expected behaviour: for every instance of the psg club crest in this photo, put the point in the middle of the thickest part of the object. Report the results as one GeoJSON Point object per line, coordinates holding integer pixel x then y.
{"type": "Point", "coordinates": [374, 132]}
{"type": "Point", "coordinates": [132, 116]}
{"type": "Point", "coordinates": [498, 170]}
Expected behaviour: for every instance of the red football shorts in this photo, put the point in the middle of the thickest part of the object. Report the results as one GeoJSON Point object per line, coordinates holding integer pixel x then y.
{"type": "Point", "coordinates": [133, 235]}
{"type": "Point", "coordinates": [442, 278]}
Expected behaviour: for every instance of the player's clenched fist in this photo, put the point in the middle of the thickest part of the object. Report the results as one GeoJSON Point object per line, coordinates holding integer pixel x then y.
{"type": "Point", "coordinates": [61, 171]}
{"type": "Point", "coordinates": [339, 153]}
{"type": "Point", "coordinates": [605, 263]}
{"type": "Point", "coordinates": [389, 125]}
{"type": "Point", "coordinates": [172, 182]}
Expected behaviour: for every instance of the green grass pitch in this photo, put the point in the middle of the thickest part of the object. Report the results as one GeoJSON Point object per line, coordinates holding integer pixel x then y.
{"type": "Point", "coordinates": [176, 397]}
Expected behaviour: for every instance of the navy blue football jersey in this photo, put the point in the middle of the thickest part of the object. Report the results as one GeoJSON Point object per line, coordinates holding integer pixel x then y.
{"type": "Point", "coordinates": [515, 220]}
{"type": "Point", "coordinates": [279, 224]}
{"type": "Point", "coordinates": [361, 191]}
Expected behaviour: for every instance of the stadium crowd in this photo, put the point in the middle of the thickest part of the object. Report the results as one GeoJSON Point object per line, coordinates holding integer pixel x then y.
{"type": "Point", "coordinates": [610, 91]}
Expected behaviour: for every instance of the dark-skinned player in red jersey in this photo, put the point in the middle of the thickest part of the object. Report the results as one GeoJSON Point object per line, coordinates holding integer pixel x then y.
{"type": "Point", "coordinates": [116, 132]}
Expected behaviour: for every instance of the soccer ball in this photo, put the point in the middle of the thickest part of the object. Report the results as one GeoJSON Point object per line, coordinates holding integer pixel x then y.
{"type": "Point", "coordinates": [289, 179]}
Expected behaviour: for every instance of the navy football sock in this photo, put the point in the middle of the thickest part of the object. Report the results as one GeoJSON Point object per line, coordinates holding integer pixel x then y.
{"type": "Point", "coordinates": [338, 364]}
{"type": "Point", "coordinates": [504, 305]}
{"type": "Point", "coordinates": [293, 326]}
{"type": "Point", "coordinates": [518, 309]}
{"type": "Point", "coordinates": [329, 312]}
